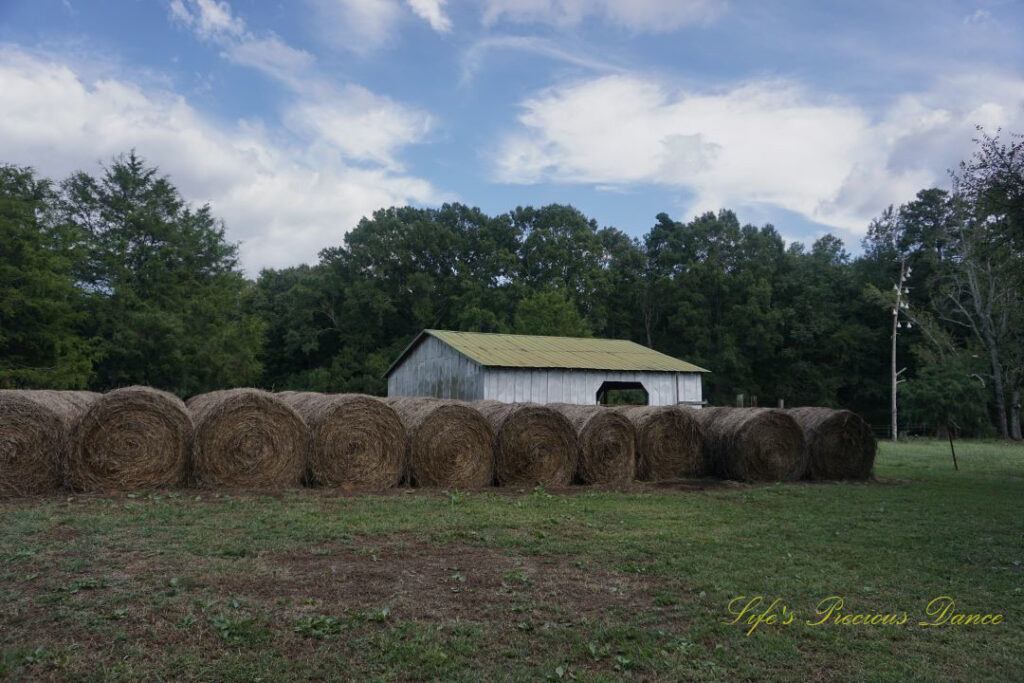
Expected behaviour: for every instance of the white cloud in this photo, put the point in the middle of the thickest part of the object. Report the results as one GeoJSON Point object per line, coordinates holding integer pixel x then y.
{"type": "Point", "coordinates": [213, 21]}
{"type": "Point", "coordinates": [208, 18]}
{"type": "Point", "coordinates": [979, 16]}
{"type": "Point", "coordinates": [432, 12]}
{"type": "Point", "coordinates": [364, 126]}
{"type": "Point", "coordinates": [473, 57]}
{"type": "Point", "coordinates": [269, 55]}
{"type": "Point", "coordinates": [357, 25]}
{"type": "Point", "coordinates": [761, 144]}
{"type": "Point", "coordinates": [284, 198]}
{"type": "Point", "coordinates": [639, 16]}
{"type": "Point", "coordinates": [362, 26]}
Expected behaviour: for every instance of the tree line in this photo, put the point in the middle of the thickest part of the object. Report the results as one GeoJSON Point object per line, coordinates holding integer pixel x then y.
{"type": "Point", "coordinates": [114, 279]}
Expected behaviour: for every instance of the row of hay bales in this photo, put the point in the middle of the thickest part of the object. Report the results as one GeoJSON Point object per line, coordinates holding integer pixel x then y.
{"type": "Point", "coordinates": [139, 438]}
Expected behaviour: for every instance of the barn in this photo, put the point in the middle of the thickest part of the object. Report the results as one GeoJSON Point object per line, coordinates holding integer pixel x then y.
{"type": "Point", "coordinates": [473, 366]}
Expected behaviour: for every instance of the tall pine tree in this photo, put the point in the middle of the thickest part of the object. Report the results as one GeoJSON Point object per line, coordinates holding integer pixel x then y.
{"type": "Point", "coordinates": [40, 307]}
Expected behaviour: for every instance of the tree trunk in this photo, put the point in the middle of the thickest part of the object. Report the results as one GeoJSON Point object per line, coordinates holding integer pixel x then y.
{"type": "Point", "coordinates": [983, 303]}
{"type": "Point", "coordinates": [1015, 431]}
{"type": "Point", "coordinates": [997, 381]}
{"type": "Point", "coordinates": [894, 424]}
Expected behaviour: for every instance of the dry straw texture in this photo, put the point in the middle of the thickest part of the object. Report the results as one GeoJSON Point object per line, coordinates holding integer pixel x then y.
{"type": "Point", "coordinates": [130, 438]}
{"type": "Point", "coordinates": [669, 442]}
{"type": "Point", "coordinates": [840, 444]}
{"type": "Point", "coordinates": [450, 444]}
{"type": "Point", "coordinates": [356, 441]}
{"type": "Point", "coordinates": [34, 438]}
{"type": "Point", "coordinates": [607, 444]}
{"type": "Point", "coordinates": [534, 444]}
{"type": "Point", "coordinates": [754, 444]}
{"type": "Point", "coordinates": [246, 438]}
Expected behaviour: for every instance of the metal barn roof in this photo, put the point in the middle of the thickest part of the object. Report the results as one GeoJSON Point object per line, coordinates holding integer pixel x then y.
{"type": "Point", "coordinates": [528, 351]}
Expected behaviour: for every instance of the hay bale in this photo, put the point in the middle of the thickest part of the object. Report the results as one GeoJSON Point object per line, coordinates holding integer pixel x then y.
{"type": "Point", "coordinates": [753, 444]}
{"type": "Point", "coordinates": [840, 444]}
{"type": "Point", "coordinates": [34, 439]}
{"type": "Point", "coordinates": [450, 444]}
{"type": "Point", "coordinates": [669, 442]}
{"type": "Point", "coordinates": [246, 438]}
{"type": "Point", "coordinates": [356, 441]}
{"type": "Point", "coordinates": [129, 439]}
{"type": "Point", "coordinates": [533, 444]}
{"type": "Point", "coordinates": [607, 444]}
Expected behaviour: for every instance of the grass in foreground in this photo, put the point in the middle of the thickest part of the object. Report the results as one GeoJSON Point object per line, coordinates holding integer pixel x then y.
{"type": "Point", "coordinates": [584, 585]}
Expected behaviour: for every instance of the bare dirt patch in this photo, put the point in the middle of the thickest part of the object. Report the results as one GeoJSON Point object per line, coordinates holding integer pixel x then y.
{"type": "Point", "coordinates": [438, 582]}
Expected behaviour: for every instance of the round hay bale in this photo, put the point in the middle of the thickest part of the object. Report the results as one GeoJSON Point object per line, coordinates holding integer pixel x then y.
{"type": "Point", "coordinates": [356, 441]}
{"type": "Point", "coordinates": [246, 438]}
{"type": "Point", "coordinates": [34, 440]}
{"type": "Point", "coordinates": [533, 444]}
{"type": "Point", "coordinates": [669, 442]}
{"type": "Point", "coordinates": [450, 444]}
{"type": "Point", "coordinates": [753, 444]}
{"type": "Point", "coordinates": [840, 444]}
{"type": "Point", "coordinates": [607, 444]}
{"type": "Point", "coordinates": [129, 439]}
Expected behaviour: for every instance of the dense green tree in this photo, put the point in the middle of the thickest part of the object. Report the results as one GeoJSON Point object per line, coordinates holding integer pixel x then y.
{"type": "Point", "coordinates": [620, 288]}
{"type": "Point", "coordinates": [984, 283]}
{"type": "Point", "coordinates": [550, 313]}
{"type": "Point", "coordinates": [712, 302]}
{"type": "Point", "coordinates": [824, 340]}
{"type": "Point", "coordinates": [41, 310]}
{"type": "Point", "coordinates": [992, 182]}
{"type": "Point", "coordinates": [165, 297]}
{"type": "Point", "coordinates": [560, 247]}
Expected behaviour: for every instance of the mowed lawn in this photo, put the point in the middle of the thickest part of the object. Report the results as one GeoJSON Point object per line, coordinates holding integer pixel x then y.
{"type": "Point", "coordinates": [567, 585]}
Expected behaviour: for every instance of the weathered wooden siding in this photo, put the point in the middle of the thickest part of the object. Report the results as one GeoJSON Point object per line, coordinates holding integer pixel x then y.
{"type": "Point", "coordinates": [690, 388]}
{"type": "Point", "coordinates": [580, 386]}
{"type": "Point", "coordinates": [436, 369]}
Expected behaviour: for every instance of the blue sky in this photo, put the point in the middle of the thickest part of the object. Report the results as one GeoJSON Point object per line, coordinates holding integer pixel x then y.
{"type": "Point", "coordinates": [295, 119]}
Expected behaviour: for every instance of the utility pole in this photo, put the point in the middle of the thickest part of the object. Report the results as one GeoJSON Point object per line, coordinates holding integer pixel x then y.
{"type": "Point", "coordinates": [899, 306]}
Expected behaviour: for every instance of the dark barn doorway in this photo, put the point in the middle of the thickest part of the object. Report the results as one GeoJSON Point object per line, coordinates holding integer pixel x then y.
{"type": "Point", "coordinates": [622, 394]}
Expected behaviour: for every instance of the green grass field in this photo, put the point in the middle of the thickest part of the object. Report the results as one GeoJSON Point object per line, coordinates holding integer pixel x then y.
{"type": "Point", "coordinates": [574, 585]}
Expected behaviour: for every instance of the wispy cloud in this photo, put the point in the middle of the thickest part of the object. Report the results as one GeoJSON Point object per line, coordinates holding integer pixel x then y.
{"type": "Point", "coordinates": [208, 18]}
{"type": "Point", "coordinates": [214, 22]}
{"type": "Point", "coordinates": [474, 56]}
{"type": "Point", "coordinates": [432, 12]}
{"type": "Point", "coordinates": [364, 26]}
{"type": "Point", "coordinates": [638, 16]}
{"type": "Point", "coordinates": [978, 16]}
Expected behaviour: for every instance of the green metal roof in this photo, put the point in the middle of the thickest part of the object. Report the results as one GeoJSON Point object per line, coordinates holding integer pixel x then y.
{"type": "Point", "coordinates": [528, 351]}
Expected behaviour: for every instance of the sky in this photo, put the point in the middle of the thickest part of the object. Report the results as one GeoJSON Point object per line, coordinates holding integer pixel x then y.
{"type": "Point", "coordinates": [294, 120]}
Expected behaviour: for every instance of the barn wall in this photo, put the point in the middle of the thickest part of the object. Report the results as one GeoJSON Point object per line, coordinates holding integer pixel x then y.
{"type": "Point", "coordinates": [580, 386]}
{"type": "Point", "coordinates": [435, 369]}
{"type": "Point", "coordinates": [690, 388]}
